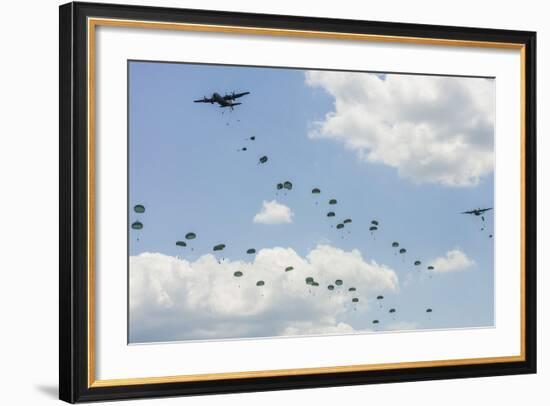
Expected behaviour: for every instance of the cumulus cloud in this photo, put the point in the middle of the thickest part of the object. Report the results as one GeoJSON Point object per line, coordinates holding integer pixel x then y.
{"type": "Point", "coordinates": [173, 299]}
{"type": "Point", "coordinates": [431, 129]}
{"type": "Point", "coordinates": [273, 212]}
{"type": "Point", "coordinates": [454, 260]}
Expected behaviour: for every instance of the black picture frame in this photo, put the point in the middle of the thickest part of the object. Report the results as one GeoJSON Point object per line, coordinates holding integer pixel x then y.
{"type": "Point", "coordinates": [73, 255]}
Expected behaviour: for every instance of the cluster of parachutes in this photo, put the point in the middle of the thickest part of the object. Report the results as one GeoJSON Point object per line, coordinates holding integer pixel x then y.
{"type": "Point", "coordinates": [138, 225]}
{"type": "Point", "coordinates": [332, 286]}
{"type": "Point", "coordinates": [310, 282]}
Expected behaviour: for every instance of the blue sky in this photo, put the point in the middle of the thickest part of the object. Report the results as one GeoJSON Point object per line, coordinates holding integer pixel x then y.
{"type": "Point", "coordinates": [186, 168]}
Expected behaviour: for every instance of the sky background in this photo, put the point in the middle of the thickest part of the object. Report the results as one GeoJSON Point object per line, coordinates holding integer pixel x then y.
{"type": "Point", "coordinates": [412, 152]}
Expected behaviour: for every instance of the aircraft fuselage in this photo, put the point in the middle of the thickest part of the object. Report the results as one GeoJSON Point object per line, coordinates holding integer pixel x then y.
{"type": "Point", "coordinates": [221, 101]}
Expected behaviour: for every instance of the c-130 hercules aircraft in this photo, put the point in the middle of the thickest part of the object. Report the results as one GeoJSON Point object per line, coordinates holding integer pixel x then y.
{"type": "Point", "coordinates": [223, 101]}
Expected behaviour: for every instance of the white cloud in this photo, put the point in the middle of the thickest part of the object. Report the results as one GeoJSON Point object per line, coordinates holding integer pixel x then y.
{"type": "Point", "coordinates": [274, 212]}
{"type": "Point", "coordinates": [173, 299]}
{"type": "Point", "coordinates": [431, 129]}
{"type": "Point", "coordinates": [454, 260]}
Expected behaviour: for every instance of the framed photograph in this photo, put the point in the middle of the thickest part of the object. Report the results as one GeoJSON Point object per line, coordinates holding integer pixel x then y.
{"type": "Point", "coordinates": [258, 202]}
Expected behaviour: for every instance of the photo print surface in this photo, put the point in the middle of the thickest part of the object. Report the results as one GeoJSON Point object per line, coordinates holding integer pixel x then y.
{"type": "Point", "coordinates": [278, 202]}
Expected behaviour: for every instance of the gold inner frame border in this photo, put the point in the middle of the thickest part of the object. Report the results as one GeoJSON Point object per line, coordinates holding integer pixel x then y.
{"type": "Point", "coordinates": [94, 22]}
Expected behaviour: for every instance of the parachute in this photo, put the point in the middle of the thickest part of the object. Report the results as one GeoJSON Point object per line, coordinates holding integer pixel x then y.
{"type": "Point", "coordinates": [392, 310]}
{"type": "Point", "coordinates": [279, 186]}
{"type": "Point", "coordinates": [402, 251]}
{"type": "Point", "coordinates": [428, 310]}
{"type": "Point", "coordinates": [289, 268]}
{"type": "Point", "coordinates": [316, 191]}
{"type": "Point", "coordinates": [136, 225]}
{"type": "Point", "coordinates": [287, 185]}
{"type": "Point", "coordinates": [139, 208]}
{"type": "Point", "coordinates": [330, 287]}
{"type": "Point", "coordinates": [373, 228]}
{"type": "Point", "coordinates": [219, 247]}
{"type": "Point", "coordinates": [339, 226]}
{"type": "Point", "coordinates": [416, 263]}
{"type": "Point", "coordinates": [190, 236]}
{"type": "Point", "coordinates": [309, 280]}
{"type": "Point", "coordinates": [338, 282]}
{"type": "Point", "coordinates": [238, 274]}
{"type": "Point", "coordinates": [260, 283]}
{"type": "Point", "coordinates": [355, 300]}
{"type": "Point", "coordinates": [332, 201]}
{"type": "Point", "coordinates": [430, 268]}
{"type": "Point", "coordinates": [315, 284]}
{"type": "Point", "coordinates": [251, 251]}
{"type": "Point", "coordinates": [352, 289]}
{"type": "Point", "coordinates": [331, 214]}
{"type": "Point", "coordinates": [395, 244]}
{"type": "Point", "coordinates": [346, 221]}
{"type": "Point", "coordinates": [375, 322]}
{"type": "Point", "coordinates": [263, 159]}
{"type": "Point", "coordinates": [181, 243]}
{"type": "Point", "coordinates": [252, 138]}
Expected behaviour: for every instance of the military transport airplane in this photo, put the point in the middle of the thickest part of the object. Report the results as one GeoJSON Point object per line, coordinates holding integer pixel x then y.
{"type": "Point", "coordinates": [477, 212]}
{"type": "Point", "coordinates": [223, 101]}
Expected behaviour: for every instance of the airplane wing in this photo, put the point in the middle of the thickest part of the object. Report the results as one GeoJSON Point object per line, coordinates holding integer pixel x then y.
{"type": "Point", "coordinates": [487, 209]}
{"type": "Point", "coordinates": [234, 96]}
{"type": "Point", "coordinates": [230, 105]}
{"type": "Point", "coordinates": [204, 100]}
{"type": "Point", "coordinates": [468, 212]}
